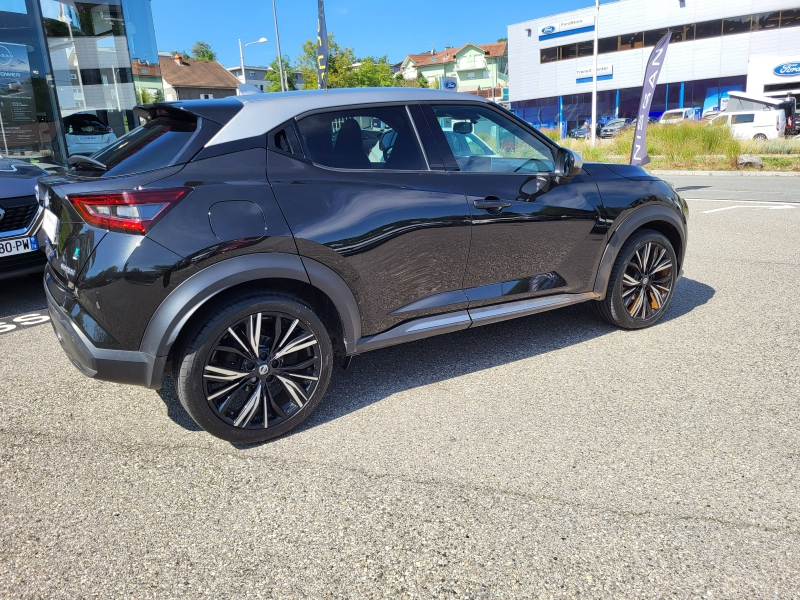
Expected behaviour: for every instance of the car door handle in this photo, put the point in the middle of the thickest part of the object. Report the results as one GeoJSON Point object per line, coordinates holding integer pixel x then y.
{"type": "Point", "coordinates": [491, 203]}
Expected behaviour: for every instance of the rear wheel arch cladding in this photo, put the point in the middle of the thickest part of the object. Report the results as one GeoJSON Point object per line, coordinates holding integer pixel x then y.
{"type": "Point", "coordinates": [654, 216]}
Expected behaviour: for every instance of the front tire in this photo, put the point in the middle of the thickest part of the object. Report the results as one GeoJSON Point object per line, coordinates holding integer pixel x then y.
{"type": "Point", "coordinates": [253, 367]}
{"type": "Point", "coordinates": [642, 281]}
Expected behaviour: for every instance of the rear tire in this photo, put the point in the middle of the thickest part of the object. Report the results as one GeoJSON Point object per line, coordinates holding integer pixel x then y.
{"type": "Point", "coordinates": [760, 137]}
{"type": "Point", "coordinates": [244, 396]}
{"type": "Point", "coordinates": [642, 281]}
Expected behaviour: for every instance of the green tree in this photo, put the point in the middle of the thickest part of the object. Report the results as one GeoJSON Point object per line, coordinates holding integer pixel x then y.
{"type": "Point", "coordinates": [339, 62]}
{"type": "Point", "coordinates": [368, 72]}
{"type": "Point", "coordinates": [273, 77]}
{"type": "Point", "coordinates": [183, 53]}
{"type": "Point", "coordinates": [502, 40]}
{"type": "Point", "coordinates": [143, 96]}
{"type": "Point", "coordinates": [202, 51]}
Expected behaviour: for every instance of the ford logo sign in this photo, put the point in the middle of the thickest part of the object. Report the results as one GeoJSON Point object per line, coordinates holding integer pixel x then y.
{"type": "Point", "coordinates": [549, 29]}
{"type": "Point", "coordinates": [789, 69]}
{"type": "Point", "coordinates": [449, 85]}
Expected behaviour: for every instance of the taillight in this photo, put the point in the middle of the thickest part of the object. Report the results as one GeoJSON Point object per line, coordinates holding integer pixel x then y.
{"type": "Point", "coordinates": [129, 212]}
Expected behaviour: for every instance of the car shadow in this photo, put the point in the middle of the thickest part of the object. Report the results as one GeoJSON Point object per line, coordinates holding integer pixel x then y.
{"type": "Point", "coordinates": [381, 373]}
{"type": "Point", "coordinates": [21, 295]}
{"type": "Point", "coordinates": [689, 188]}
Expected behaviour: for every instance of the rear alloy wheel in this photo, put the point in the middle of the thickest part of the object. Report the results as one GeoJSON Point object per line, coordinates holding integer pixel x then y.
{"type": "Point", "coordinates": [256, 369]}
{"type": "Point", "coordinates": [642, 281]}
{"type": "Point", "coordinates": [760, 137]}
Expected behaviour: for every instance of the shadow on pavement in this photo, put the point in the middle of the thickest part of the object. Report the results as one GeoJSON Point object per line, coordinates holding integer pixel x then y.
{"type": "Point", "coordinates": [381, 373]}
{"type": "Point", "coordinates": [688, 188]}
{"type": "Point", "coordinates": [20, 295]}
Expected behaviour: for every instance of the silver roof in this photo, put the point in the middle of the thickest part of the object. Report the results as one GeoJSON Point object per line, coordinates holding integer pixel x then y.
{"type": "Point", "coordinates": [262, 112]}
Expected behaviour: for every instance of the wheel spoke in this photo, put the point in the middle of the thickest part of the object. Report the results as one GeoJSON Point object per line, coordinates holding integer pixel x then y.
{"type": "Point", "coordinates": [636, 304]}
{"type": "Point", "coordinates": [298, 344]}
{"type": "Point", "coordinates": [286, 337]}
{"type": "Point", "coordinates": [646, 257]}
{"type": "Point", "coordinates": [241, 343]}
{"type": "Point", "coordinates": [220, 374]}
{"type": "Point", "coordinates": [665, 265]}
{"type": "Point", "coordinates": [294, 391]}
{"type": "Point", "coordinates": [274, 404]}
{"type": "Point", "coordinates": [629, 280]}
{"type": "Point", "coordinates": [276, 334]}
{"type": "Point", "coordinates": [249, 409]}
{"type": "Point", "coordinates": [308, 377]}
{"type": "Point", "coordinates": [256, 339]}
{"type": "Point", "coordinates": [303, 365]}
{"type": "Point", "coordinates": [238, 387]}
{"type": "Point", "coordinates": [658, 297]}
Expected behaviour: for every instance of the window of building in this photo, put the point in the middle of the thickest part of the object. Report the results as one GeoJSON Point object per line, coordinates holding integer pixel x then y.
{"type": "Point", "coordinates": [630, 41]}
{"type": "Point", "coordinates": [251, 73]}
{"type": "Point", "coordinates": [547, 55]}
{"type": "Point", "coordinates": [365, 138]}
{"type": "Point", "coordinates": [568, 52]}
{"type": "Point", "coordinates": [736, 25]}
{"type": "Point", "coordinates": [206, 96]}
{"type": "Point", "coordinates": [609, 44]}
{"type": "Point", "coordinates": [484, 141]}
{"type": "Point", "coordinates": [767, 20]}
{"type": "Point", "coordinates": [470, 75]}
{"type": "Point", "coordinates": [586, 48]}
{"type": "Point", "coordinates": [651, 37]}
{"type": "Point", "coordinates": [790, 18]}
{"type": "Point", "coordinates": [708, 29]}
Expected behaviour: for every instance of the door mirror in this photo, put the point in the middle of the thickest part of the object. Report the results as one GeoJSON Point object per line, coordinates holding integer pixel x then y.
{"type": "Point", "coordinates": [462, 127]}
{"type": "Point", "coordinates": [568, 163]}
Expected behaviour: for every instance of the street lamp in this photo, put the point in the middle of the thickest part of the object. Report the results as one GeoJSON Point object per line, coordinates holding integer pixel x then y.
{"type": "Point", "coordinates": [241, 53]}
{"type": "Point", "coordinates": [593, 125]}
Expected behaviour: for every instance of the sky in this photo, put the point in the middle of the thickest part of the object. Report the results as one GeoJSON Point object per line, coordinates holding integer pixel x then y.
{"type": "Point", "coordinates": [372, 27]}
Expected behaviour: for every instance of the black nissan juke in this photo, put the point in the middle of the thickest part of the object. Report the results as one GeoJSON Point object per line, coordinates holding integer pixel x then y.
{"type": "Point", "coordinates": [249, 244]}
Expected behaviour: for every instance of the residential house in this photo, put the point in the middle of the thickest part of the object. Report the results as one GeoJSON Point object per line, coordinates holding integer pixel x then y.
{"type": "Point", "coordinates": [255, 76]}
{"type": "Point", "coordinates": [479, 69]}
{"type": "Point", "coordinates": [146, 78]}
{"type": "Point", "coordinates": [190, 79]}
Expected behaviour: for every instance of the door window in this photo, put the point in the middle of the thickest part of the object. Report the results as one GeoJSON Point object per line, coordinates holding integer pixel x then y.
{"type": "Point", "coordinates": [364, 138]}
{"type": "Point", "coordinates": [722, 120]}
{"type": "Point", "coordinates": [738, 119]}
{"type": "Point", "coordinates": [484, 141]}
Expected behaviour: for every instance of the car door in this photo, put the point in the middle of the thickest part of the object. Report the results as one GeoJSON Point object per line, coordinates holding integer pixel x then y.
{"type": "Point", "coordinates": [533, 233]}
{"type": "Point", "coordinates": [364, 198]}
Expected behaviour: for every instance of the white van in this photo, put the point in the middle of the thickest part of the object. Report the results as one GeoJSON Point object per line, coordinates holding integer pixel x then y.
{"type": "Point", "coordinates": [753, 125]}
{"type": "Point", "coordinates": [677, 115]}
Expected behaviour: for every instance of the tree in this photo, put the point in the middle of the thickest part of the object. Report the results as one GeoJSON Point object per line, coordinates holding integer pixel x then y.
{"type": "Point", "coordinates": [368, 72]}
{"type": "Point", "coordinates": [502, 40]}
{"type": "Point", "coordinates": [143, 96]}
{"type": "Point", "coordinates": [273, 77]}
{"type": "Point", "coordinates": [339, 62]}
{"type": "Point", "coordinates": [183, 53]}
{"type": "Point", "coordinates": [202, 51]}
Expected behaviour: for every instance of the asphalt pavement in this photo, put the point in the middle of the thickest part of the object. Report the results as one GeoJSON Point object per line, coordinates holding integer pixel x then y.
{"type": "Point", "coordinates": [550, 456]}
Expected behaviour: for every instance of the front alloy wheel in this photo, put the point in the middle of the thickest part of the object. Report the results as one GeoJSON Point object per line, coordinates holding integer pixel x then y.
{"type": "Point", "coordinates": [642, 281]}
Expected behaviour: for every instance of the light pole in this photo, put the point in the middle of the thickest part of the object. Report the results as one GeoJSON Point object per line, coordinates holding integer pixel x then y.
{"type": "Point", "coordinates": [278, 41]}
{"type": "Point", "coordinates": [241, 53]}
{"type": "Point", "coordinates": [593, 124]}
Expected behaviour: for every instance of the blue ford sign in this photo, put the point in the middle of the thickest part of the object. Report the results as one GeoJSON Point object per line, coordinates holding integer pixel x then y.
{"type": "Point", "coordinates": [789, 69]}
{"type": "Point", "coordinates": [548, 29]}
{"type": "Point", "coordinates": [449, 85]}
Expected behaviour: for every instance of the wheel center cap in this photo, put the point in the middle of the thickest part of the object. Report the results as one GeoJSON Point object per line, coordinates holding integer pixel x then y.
{"type": "Point", "coordinates": [645, 281]}
{"type": "Point", "coordinates": [263, 369]}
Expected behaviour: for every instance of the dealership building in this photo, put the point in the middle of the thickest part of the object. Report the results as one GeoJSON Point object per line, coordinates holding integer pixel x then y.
{"type": "Point", "coordinates": [716, 46]}
{"type": "Point", "coordinates": [72, 57]}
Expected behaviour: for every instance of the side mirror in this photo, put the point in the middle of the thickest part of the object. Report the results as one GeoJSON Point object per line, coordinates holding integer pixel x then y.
{"type": "Point", "coordinates": [568, 163]}
{"type": "Point", "coordinates": [462, 127]}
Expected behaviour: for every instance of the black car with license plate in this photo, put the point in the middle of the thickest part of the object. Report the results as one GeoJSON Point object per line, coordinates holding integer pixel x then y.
{"type": "Point", "coordinates": [21, 247]}
{"type": "Point", "coordinates": [249, 244]}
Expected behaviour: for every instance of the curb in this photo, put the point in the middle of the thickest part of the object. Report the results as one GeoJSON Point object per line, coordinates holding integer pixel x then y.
{"type": "Point", "coordinates": [727, 173]}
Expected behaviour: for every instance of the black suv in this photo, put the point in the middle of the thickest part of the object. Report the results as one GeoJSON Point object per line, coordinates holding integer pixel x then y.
{"type": "Point", "coordinates": [250, 243]}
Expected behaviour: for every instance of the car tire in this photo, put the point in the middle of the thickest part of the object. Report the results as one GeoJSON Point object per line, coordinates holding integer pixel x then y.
{"type": "Point", "coordinates": [642, 281]}
{"type": "Point", "coordinates": [277, 392]}
{"type": "Point", "coordinates": [760, 137]}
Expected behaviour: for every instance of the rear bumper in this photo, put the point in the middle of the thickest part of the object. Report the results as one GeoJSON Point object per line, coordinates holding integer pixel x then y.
{"type": "Point", "coordinates": [119, 366]}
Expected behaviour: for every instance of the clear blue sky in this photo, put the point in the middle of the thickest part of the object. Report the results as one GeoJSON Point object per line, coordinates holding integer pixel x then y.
{"type": "Point", "coordinates": [372, 27]}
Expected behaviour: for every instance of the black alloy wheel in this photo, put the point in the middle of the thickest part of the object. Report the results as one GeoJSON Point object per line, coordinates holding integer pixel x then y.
{"type": "Point", "coordinates": [254, 368]}
{"type": "Point", "coordinates": [642, 281]}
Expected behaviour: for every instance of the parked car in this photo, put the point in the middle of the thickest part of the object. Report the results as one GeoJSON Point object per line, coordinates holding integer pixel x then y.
{"type": "Point", "coordinates": [232, 243]}
{"type": "Point", "coordinates": [21, 250]}
{"type": "Point", "coordinates": [614, 127]}
{"type": "Point", "coordinates": [678, 115]}
{"type": "Point", "coordinates": [86, 134]}
{"type": "Point", "coordinates": [14, 86]}
{"type": "Point", "coordinates": [579, 133]}
{"type": "Point", "coordinates": [709, 115]}
{"type": "Point", "coordinates": [754, 125]}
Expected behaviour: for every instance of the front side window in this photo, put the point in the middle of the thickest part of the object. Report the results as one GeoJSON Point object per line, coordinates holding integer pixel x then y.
{"type": "Point", "coordinates": [364, 138]}
{"type": "Point", "coordinates": [484, 141]}
{"type": "Point", "coordinates": [721, 120]}
{"type": "Point", "coordinates": [738, 119]}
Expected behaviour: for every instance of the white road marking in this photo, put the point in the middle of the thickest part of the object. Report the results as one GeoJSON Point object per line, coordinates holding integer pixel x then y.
{"type": "Point", "coordinates": [781, 207]}
{"type": "Point", "coordinates": [770, 202]}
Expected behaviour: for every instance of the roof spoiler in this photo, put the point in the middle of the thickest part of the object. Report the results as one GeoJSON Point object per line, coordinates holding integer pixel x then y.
{"type": "Point", "coordinates": [220, 111]}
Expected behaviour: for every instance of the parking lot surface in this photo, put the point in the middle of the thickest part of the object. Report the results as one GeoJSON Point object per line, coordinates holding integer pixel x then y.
{"type": "Point", "coordinates": [551, 456]}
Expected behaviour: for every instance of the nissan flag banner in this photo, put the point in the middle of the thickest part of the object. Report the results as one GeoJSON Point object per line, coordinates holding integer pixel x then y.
{"type": "Point", "coordinates": [322, 48]}
{"type": "Point", "coordinates": [654, 63]}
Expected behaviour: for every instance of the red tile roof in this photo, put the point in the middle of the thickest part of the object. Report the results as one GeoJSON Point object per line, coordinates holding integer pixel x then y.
{"type": "Point", "coordinates": [196, 73]}
{"type": "Point", "coordinates": [449, 55]}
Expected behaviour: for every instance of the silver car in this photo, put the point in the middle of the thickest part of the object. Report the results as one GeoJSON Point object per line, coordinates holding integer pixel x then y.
{"type": "Point", "coordinates": [86, 134]}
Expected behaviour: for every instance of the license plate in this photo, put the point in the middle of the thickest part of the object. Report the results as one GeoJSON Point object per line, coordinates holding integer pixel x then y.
{"type": "Point", "coordinates": [50, 225]}
{"type": "Point", "coordinates": [18, 246]}
{"type": "Point", "coordinates": [89, 139]}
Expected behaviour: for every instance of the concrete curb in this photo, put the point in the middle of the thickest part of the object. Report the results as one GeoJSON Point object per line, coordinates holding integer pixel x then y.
{"type": "Point", "coordinates": [728, 173]}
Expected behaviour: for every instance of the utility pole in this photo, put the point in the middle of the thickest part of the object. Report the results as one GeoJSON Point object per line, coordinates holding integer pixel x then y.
{"type": "Point", "coordinates": [593, 124]}
{"type": "Point", "coordinates": [284, 86]}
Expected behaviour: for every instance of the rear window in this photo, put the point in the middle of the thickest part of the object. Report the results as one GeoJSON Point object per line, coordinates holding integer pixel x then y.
{"type": "Point", "coordinates": [84, 124]}
{"type": "Point", "coordinates": [154, 145]}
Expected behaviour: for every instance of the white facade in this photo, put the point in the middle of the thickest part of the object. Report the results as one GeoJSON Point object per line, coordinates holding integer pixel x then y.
{"type": "Point", "coordinates": [687, 61]}
{"type": "Point", "coordinates": [252, 75]}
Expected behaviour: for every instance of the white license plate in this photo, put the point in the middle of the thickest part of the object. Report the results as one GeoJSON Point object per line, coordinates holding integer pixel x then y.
{"type": "Point", "coordinates": [50, 225]}
{"type": "Point", "coordinates": [90, 139]}
{"type": "Point", "coordinates": [18, 246]}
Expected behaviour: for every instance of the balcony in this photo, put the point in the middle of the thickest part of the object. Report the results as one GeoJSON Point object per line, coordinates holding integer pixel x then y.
{"type": "Point", "coordinates": [471, 65]}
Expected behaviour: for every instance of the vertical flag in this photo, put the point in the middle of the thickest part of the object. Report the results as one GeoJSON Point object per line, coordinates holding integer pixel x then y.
{"type": "Point", "coordinates": [639, 155]}
{"type": "Point", "coordinates": [322, 48]}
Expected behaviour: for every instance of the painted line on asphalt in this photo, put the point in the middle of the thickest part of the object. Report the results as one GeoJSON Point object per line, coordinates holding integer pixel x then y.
{"type": "Point", "coordinates": [9, 324]}
{"type": "Point", "coordinates": [769, 202]}
{"type": "Point", "coordinates": [779, 207]}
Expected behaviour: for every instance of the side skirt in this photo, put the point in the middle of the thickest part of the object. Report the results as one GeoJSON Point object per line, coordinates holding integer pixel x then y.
{"type": "Point", "coordinates": [463, 319]}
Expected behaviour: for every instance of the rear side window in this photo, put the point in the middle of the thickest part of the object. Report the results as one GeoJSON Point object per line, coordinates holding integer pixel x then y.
{"type": "Point", "coordinates": [737, 119]}
{"type": "Point", "coordinates": [364, 138]}
{"type": "Point", "coordinates": [154, 145]}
